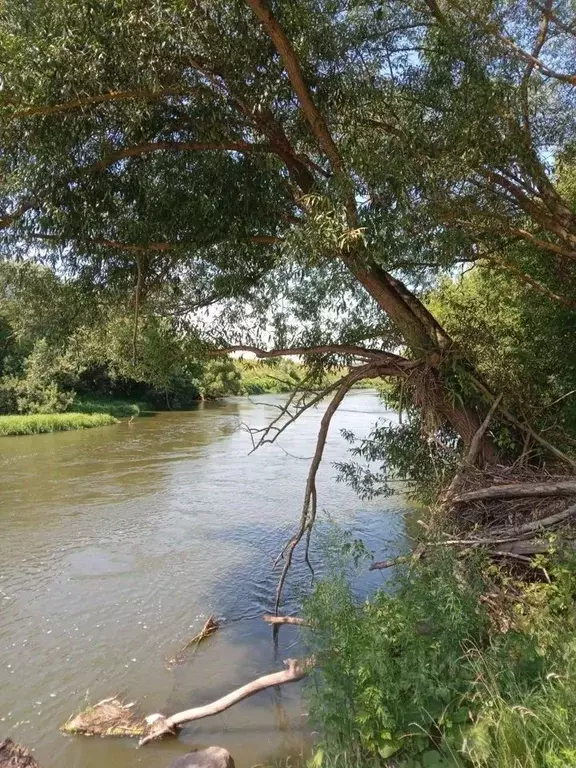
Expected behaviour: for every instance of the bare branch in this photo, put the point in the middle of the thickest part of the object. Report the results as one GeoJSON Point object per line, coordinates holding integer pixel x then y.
{"type": "Point", "coordinates": [286, 620]}
{"type": "Point", "coordinates": [159, 726]}
{"type": "Point", "coordinates": [308, 513]}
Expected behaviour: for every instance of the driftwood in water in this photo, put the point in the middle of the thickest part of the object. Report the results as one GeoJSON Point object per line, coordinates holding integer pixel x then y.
{"type": "Point", "coordinates": [159, 726]}
{"type": "Point", "coordinates": [112, 718]}
{"type": "Point", "coordinates": [210, 626]}
{"type": "Point", "coordinates": [14, 756]}
{"type": "Point", "coordinates": [286, 620]}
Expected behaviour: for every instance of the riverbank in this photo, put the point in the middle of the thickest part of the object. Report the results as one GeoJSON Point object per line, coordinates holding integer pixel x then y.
{"type": "Point", "coordinates": [112, 406]}
{"type": "Point", "coordinates": [467, 657]}
{"type": "Point", "coordinates": [38, 423]}
{"type": "Point", "coordinates": [459, 665]}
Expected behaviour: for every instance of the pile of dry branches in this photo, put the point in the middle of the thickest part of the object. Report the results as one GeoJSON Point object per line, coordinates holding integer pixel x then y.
{"type": "Point", "coordinates": [511, 513]}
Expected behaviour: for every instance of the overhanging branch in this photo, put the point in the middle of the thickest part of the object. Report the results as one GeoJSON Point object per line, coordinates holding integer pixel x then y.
{"type": "Point", "coordinates": [346, 350]}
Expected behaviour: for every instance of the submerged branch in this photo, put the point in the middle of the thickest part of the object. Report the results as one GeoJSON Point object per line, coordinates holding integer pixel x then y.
{"type": "Point", "coordinates": [286, 620]}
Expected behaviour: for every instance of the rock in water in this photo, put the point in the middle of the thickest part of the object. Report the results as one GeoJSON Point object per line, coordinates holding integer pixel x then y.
{"type": "Point", "coordinates": [212, 757]}
{"type": "Point", "coordinates": [14, 756]}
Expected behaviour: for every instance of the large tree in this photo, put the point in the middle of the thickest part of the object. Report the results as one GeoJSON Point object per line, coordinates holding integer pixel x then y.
{"type": "Point", "coordinates": [337, 154]}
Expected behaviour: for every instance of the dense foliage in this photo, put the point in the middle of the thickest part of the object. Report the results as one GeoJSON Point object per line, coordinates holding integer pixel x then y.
{"type": "Point", "coordinates": [305, 170]}
{"type": "Point", "coordinates": [420, 675]}
{"type": "Point", "coordinates": [63, 346]}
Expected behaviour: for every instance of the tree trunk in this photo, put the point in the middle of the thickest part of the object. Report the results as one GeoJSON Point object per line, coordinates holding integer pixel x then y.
{"type": "Point", "coordinates": [426, 338]}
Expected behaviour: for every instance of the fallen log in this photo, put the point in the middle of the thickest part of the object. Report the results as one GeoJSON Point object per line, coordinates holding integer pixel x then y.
{"type": "Point", "coordinates": [158, 725]}
{"type": "Point", "coordinates": [519, 490]}
{"type": "Point", "coordinates": [547, 522]}
{"type": "Point", "coordinates": [286, 620]}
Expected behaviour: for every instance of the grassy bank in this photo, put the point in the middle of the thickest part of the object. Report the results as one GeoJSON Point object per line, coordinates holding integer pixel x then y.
{"type": "Point", "coordinates": [52, 422]}
{"type": "Point", "coordinates": [458, 665]}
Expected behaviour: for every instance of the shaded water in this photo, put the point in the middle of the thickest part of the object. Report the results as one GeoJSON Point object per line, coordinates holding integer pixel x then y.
{"type": "Point", "coordinates": [116, 542]}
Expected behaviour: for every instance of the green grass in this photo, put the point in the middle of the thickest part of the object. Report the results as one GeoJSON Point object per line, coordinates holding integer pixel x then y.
{"type": "Point", "coordinates": [108, 405]}
{"type": "Point", "coordinates": [34, 424]}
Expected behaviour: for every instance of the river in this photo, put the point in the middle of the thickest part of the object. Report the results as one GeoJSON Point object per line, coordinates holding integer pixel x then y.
{"type": "Point", "coordinates": [117, 542]}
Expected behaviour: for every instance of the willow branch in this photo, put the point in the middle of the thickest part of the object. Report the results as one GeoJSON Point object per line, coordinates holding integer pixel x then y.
{"type": "Point", "coordinates": [544, 245]}
{"type": "Point", "coordinates": [525, 56]}
{"type": "Point", "coordinates": [528, 280]}
{"type": "Point", "coordinates": [154, 246]}
{"type": "Point", "coordinates": [88, 101]}
{"type": "Point", "coordinates": [554, 18]}
{"type": "Point", "coordinates": [175, 146]}
{"type": "Point", "coordinates": [294, 70]}
{"type": "Point", "coordinates": [539, 43]}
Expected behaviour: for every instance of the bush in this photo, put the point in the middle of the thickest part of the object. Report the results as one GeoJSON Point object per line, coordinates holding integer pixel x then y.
{"type": "Point", "coordinates": [419, 676]}
{"type": "Point", "coordinates": [39, 388]}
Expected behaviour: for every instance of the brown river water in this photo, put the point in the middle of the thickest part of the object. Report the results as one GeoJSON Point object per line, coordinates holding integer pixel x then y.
{"type": "Point", "coordinates": [117, 542]}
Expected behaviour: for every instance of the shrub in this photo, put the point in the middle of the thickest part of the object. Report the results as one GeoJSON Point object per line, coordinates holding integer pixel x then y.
{"type": "Point", "coordinates": [418, 677]}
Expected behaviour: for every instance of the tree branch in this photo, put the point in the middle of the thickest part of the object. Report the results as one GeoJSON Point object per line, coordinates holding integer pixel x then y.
{"type": "Point", "coordinates": [159, 726]}
{"type": "Point", "coordinates": [155, 246]}
{"type": "Point", "coordinates": [88, 101]}
{"type": "Point", "coordinates": [519, 490]}
{"type": "Point", "coordinates": [496, 263]}
{"type": "Point", "coordinates": [296, 620]}
{"type": "Point", "coordinates": [175, 146]}
{"type": "Point", "coordinates": [325, 349]}
{"type": "Point", "coordinates": [308, 513]}
{"type": "Point", "coordinates": [529, 58]}
{"type": "Point", "coordinates": [288, 55]}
